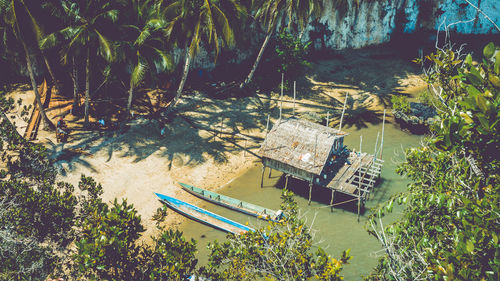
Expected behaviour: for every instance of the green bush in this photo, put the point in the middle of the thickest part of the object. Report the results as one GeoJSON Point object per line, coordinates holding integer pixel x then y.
{"type": "Point", "coordinates": [400, 103]}
{"type": "Point", "coordinates": [291, 54]}
{"type": "Point", "coordinates": [449, 227]}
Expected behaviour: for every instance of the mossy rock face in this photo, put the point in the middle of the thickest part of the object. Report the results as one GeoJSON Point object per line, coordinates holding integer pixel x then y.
{"type": "Point", "coordinates": [419, 118]}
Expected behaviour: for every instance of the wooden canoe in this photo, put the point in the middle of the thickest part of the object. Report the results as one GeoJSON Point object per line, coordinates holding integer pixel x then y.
{"type": "Point", "coordinates": [204, 216]}
{"type": "Point", "coordinates": [232, 203]}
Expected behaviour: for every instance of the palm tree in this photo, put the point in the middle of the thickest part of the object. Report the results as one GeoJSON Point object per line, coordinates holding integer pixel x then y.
{"type": "Point", "coordinates": [143, 47]}
{"type": "Point", "coordinates": [273, 12]}
{"type": "Point", "coordinates": [191, 22]}
{"type": "Point", "coordinates": [26, 30]}
{"type": "Point", "coordinates": [88, 22]}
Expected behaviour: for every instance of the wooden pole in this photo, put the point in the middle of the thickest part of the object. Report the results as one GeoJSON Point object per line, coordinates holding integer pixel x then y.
{"type": "Point", "coordinates": [267, 125]}
{"type": "Point", "coordinates": [286, 181]}
{"type": "Point", "coordinates": [343, 111]}
{"type": "Point", "coordinates": [221, 124]}
{"type": "Point", "coordinates": [382, 142]}
{"type": "Point", "coordinates": [245, 149]}
{"type": "Point", "coordinates": [376, 144]}
{"type": "Point", "coordinates": [359, 205]}
{"type": "Point", "coordinates": [331, 201]}
{"type": "Point", "coordinates": [270, 170]}
{"type": "Point", "coordinates": [262, 176]}
{"type": "Point", "coordinates": [315, 146]}
{"type": "Point", "coordinates": [294, 91]}
{"type": "Point", "coordinates": [281, 98]}
{"type": "Point", "coordinates": [310, 191]}
{"type": "Point", "coordinates": [360, 143]}
{"type": "Point", "coordinates": [327, 118]}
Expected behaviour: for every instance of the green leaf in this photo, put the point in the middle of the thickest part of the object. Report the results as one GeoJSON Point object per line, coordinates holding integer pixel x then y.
{"type": "Point", "coordinates": [470, 246]}
{"type": "Point", "coordinates": [468, 59]}
{"type": "Point", "coordinates": [473, 91]}
{"type": "Point", "coordinates": [489, 50]}
{"type": "Point", "coordinates": [484, 122]}
{"type": "Point", "coordinates": [494, 80]}
{"type": "Point", "coordinates": [466, 117]}
{"type": "Point", "coordinates": [481, 102]}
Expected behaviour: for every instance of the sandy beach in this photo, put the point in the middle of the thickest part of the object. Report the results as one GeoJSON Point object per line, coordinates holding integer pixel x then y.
{"type": "Point", "coordinates": [204, 144]}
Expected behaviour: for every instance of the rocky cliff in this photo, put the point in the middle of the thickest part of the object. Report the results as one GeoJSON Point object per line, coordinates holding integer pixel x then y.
{"type": "Point", "coordinates": [376, 21]}
{"type": "Point", "coordinates": [373, 22]}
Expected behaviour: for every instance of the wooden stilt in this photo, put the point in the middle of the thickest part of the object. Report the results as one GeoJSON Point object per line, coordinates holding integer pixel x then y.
{"type": "Point", "coordinates": [286, 181]}
{"type": "Point", "coordinates": [331, 201]}
{"type": "Point", "coordinates": [281, 98]}
{"type": "Point", "coordinates": [245, 149]}
{"type": "Point", "coordinates": [310, 192]}
{"type": "Point", "coordinates": [343, 111]}
{"type": "Point", "coordinates": [294, 91]}
{"type": "Point", "coordinates": [376, 144]}
{"type": "Point", "coordinates": [360, 142]}
{"type": "Point", "coordinates": [359, 205]}
{"type": "Point", "coordinates": [221, 124]}
{"type": "Point", "coordinates": [382, 142]}
{"type": "Point", "coordinates": [270, 169]}
{"type": "Point", "coordinates": [327, 118]}
{"type": "Point", "coordinates": [262, 176]}
{"type": "Point", "coordinates": [267, 125]}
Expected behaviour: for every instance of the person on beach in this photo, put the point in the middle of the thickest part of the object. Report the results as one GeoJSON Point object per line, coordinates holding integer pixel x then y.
{"type": "Point", "coordinates": [61, 130]}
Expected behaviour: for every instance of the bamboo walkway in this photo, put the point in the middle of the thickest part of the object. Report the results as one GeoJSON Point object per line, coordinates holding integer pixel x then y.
{"type": "Point", "coordinates": [358, 178]}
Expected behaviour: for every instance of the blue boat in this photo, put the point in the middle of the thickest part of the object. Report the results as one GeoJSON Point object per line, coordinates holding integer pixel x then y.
{"type": "Point", "coordinates": [204, 216]}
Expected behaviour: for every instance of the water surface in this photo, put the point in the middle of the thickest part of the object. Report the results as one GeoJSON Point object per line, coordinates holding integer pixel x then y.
{"type": "Point", "coordinates": [337, 230]}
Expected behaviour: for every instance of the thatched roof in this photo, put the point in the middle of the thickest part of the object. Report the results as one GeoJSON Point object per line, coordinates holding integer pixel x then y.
{"type": "Point", "coordinates": [300, 143]}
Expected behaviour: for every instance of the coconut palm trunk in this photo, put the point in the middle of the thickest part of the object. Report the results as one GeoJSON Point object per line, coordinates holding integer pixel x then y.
{"type": "Point", "coordinates": [46, 124]}
{"type": "Point", "coordinates": [74, 77]}
{"type": "Point", "coordinates": [257, 60]}
{"type": "Point", "coordinates": [49, 68]}
{"type": "Point", "coordinates": [130, 96]}
{"type": "Point", "coordinates": [87, 87]}
{"type": "Point", "coordinates": [185, 73]}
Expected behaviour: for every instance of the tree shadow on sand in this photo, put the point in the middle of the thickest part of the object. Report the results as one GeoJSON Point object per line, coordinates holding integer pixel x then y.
{"type": "Point", "coordinates": [200, 129]}
{"type": "Point", "coordinates": [374, 71]}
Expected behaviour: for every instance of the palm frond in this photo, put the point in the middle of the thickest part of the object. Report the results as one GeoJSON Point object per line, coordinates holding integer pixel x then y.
{"type": "Point", "coordinates": [165, 61]}
{"type": "Point", "coordinates": [143, 36]}
{"type": "Point", "coordinates": [227, 31]}
{"type": "Point", "coordinates": [105, 47]}
{"type": "Point", "coordinates": [139, 71]}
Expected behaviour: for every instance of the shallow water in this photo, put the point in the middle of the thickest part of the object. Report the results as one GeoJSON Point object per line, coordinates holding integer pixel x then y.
{"type": "Point", "coordinates": [337, 230]}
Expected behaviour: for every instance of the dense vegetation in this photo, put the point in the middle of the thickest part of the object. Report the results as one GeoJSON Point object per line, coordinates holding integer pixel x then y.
{"type": "Point", "coordinates": [101, 47]}
{"type": "Point", "coordinates": [450, 224]}
{"type": "Point", "coordinates": [47, 230]}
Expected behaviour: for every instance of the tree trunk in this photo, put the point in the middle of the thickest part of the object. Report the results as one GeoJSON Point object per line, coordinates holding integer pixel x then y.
{"type": "Point", "coordinates": [47, 125]}
{"type": "Point", "coordinates": [74, 77]}
{"type": "Point", "coordinates": [130, 95]}
{"type": "Point", "coordinates": [178, 94]}
{"type": "Point", "coordinates": [259, 57]}
{"type": "Point", "coordinates": [52, 76]}
{"type": "Point", "coordinates": [87, 87]}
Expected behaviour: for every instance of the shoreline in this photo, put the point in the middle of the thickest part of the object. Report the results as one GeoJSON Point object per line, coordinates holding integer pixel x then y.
{"type": "Point", "coordinates": [133, 163]}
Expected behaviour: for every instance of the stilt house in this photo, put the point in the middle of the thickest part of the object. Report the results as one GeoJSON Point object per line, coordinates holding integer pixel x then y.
{"type": "Point", "coordinates": [304, 150]}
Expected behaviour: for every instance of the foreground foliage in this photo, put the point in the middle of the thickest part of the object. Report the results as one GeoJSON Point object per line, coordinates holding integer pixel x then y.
{"type": "Point", "coordinates": [282, 251]}
{"type": "Point", "coordinates": [40, 218]}
{"type": "Point", "coordinates": [450, 225]}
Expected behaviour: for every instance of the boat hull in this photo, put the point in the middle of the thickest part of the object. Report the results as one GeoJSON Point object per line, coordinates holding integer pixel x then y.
{"type": "Point", "coordinates": [231, 203]}
{"type": "Point", "coordinates": [204, 216]}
